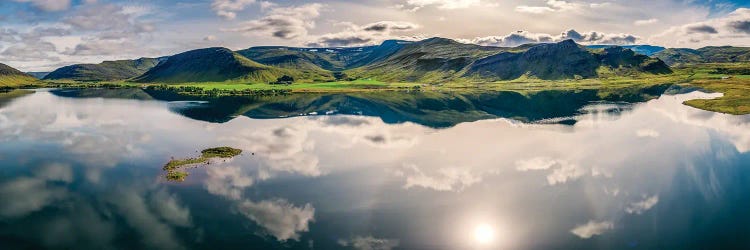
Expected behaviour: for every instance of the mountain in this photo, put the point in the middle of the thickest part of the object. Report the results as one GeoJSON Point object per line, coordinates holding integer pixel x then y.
{"type": "Point", "coordinates": [640, 49]}
{"type": "Point", "coordinates": [331, 59]}
{"type": "Point", "coordinates": [105, 71]}
{"type": "Point", "coordinates": [11, 77]}
{"type": "Point", "coordinates": [38, 75]}
{"type": "Point", "coordinates": [218, 65]}
{"type": "Point", "coordinates": [724, 54]}
{"type": "Point", "coordinates": [431, 60]}
{"type": "Point", "coordinates": [564, 60]}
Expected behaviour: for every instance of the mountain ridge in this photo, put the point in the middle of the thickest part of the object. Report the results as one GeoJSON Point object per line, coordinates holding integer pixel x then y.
{"type": "Point", "coordinates": [11, 77]}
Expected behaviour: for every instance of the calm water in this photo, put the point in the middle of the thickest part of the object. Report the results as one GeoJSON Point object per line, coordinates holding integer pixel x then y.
{"type": "Point", "coordinates": [82, 170]}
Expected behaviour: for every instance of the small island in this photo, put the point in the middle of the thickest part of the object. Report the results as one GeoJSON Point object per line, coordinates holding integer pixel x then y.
{"type": "Point", "coordinates": [174, 168]}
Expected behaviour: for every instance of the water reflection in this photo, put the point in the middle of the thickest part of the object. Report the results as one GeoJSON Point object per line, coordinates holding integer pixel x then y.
{"type": "Point", "coordinates": [430, 109]}
{"type": "Point", "coordinates": [84, 173]}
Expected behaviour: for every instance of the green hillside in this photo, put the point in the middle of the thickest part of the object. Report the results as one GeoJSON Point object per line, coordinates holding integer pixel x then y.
{"type": "Point", "coordinates": [331, 59]}
{"type": "Point", "coordinates": [440, 60]}
{"type": "Point", "coordinates": [11, 77]}
{"type": "Point", "coordinates": [217, 65]}
{"type": "Point", "coordinates": [724, 54]}
{"type": "Point", "coordinates": [105, 71]}
{"type": "Point", "coordinates": [431, 60]}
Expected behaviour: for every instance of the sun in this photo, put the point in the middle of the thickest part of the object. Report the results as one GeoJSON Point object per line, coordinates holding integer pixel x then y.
{"type": "Point", "coordinates": [484, 234]}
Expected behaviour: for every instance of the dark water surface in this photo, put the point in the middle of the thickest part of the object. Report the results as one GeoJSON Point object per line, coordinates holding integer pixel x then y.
{"type": "Point", "coordinates": [565, 170]}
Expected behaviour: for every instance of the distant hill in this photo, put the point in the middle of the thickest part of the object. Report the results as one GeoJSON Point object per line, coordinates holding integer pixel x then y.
{"type": "Point", "coordinates": [38, 75]}
{"type": "Point", "coordinates": [216, 65]}
{"type": "Point", "coordinates": [331, 59]}
{"type": "Point", "coordinates": [564, 60]}
{"type": "Point", "coordinates": [431, 60]}
{"type": "Point", "coordinates": [640, 49]}
{"type": "Point", "coordinates": [725, 54]}
{"type": "Point", "coordinates": [105, 71]}
{"type": "Point", "coordinates": [11, 77]}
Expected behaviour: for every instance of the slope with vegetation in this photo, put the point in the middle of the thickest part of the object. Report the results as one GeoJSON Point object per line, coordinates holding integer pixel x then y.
{"type": "Point", "coordinates": [565, 60]}
{"type": "Point", "coordinates": [12, 78]}
{"type": "Point", "coordinates": [724, 54]}
{"type": "Point", "coordinates": [331, 59]}
{"type": "Point", "coordinates": [431, 60]}
{"type": "Point", "coordinates": [219, 65]}
{"type": "Point", "coordinates": [105, 71]}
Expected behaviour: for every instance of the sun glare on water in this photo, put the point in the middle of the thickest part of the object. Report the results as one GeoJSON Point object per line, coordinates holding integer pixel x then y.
{"type": "Point", "coordinates": [484, 234]}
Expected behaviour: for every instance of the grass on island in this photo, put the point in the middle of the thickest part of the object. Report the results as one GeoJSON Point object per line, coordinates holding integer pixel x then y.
{"type": "Point", "coordinates": [736, 99]}
{"type": "Point", "coordinates": [175, 170]}
{"type": "Point", "coordinates": [731, 79]}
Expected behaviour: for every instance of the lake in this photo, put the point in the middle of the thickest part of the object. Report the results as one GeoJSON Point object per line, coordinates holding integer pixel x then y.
{"type": "Point", "coordinates": [82, 169]}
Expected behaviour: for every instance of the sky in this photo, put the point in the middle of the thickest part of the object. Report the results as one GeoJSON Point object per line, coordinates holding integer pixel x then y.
{"type": "Point", "coordinates": [41, 35]}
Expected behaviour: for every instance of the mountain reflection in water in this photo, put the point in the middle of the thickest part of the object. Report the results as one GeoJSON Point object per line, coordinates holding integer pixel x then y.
{"type": "Point", "coordinates": [414, 171]}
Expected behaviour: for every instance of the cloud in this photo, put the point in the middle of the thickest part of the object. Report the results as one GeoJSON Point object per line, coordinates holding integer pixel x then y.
{"type": "Point", "coordinates": [48, 5]}
{"type": "Point", "coordinates": [30, 51]}
{"type": "Point", "coordinates": [387, 26]}
{"type": "Point", "coordinates": [733, 26]}
{"type": "Point", "coordinates": [701, 29]}
{"type": "Point", "coordinates": [368, 34]}
{"type": "Point", "coordinates": [741, 26]}
{"type": "Point", "coordinates": [228, 8]}
{"type": "Point", "coordinates": [279, 217]}
{"type": "Point", "coordinates": [594, 37]}
{"type": "Point", "coordinates": [592, 228]}
{"type": "Point", "coordinates": [645, 22]}
{"type": "Point", "coordinates": [210, 38]}
{"type": "Point", "coordinates": [525, 37]}
{"type": "Point", "coordinates": [109, 17]}
{"type": "Point", "coordinates": [562, 171]}
{"type": "Point", "coordinates": [534, 9]}
{"type": "Point", "coordinates": [22, 196]}
{"type": "Point", "coordinates": [647, 133]}
{"type": "Point", "coordinates": [444, 179]}
{"type": "Point", "coordinates": [227, 181]}
{"type": "Point", "coordinates": [642, 206]}
{"type": "Point", "coordinates": [414, 5]}
{"type": "Point", "coordinates": [281, 149]}
{"type": "Point", "coordinates": [552, 6]}
{"type": "Point", "coordinates": [283, 22]}
{"type": "Point", "coordinates": [369, 243]}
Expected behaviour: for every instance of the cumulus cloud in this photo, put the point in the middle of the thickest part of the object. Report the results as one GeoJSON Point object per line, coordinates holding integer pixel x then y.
{"type": "Point", "coordinates": [48, 5]}
{"type": "Point", "coordinates": [279, 218]}
{"type": "Point", "coordinates": [562, 171]}
{"type": "Point", "coordinates": [228, 8]}
{"type": "Point", "coordinates": [283, 22]}
{"type": "Point", "coordinates": [735, 25]}
{"type": "Point", "coordinates": [592, 228]}
{"type": "Point", "coordinates": [227, 181]}
{"type": "Point", "coordinates": [369, 243]}
{"type": "Point", "coordinates": [414, 5]}
{"type": "Point", "coordinates": [33, 50]}
{"type": "Point", "coordinates": [551, 6]}
{"type": "Point", "coordinates": [366, 34]}
{"type": "Point", "coordinates": [525, 37]}
{"type": "Point", "coordinates": [642, 206]}
{"type": "Point", "coordinates": [25, 195]}
{"type": "Point", "coordinates": [444, 179]}
{"type": "Point", "coordinates": [594, 37]}
{"type": "Point", "coordinates": [650, 133]}
{"type": "Point", "coordinates": [645, 22]}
